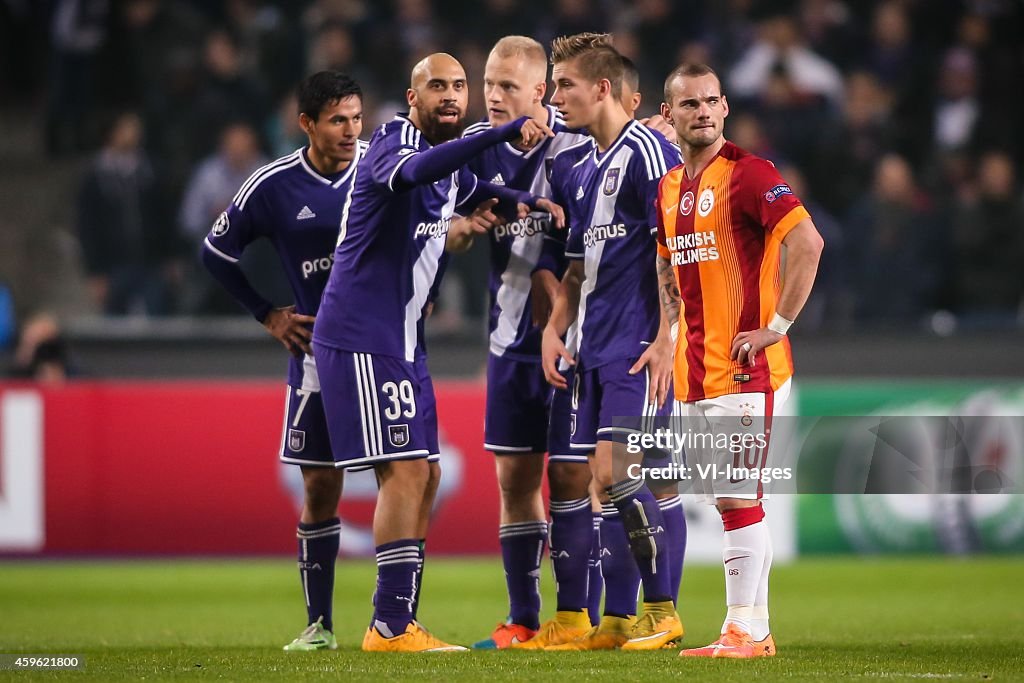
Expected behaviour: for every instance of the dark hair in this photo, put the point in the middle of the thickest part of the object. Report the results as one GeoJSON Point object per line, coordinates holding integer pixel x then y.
{"type": "Point", "coordinates": [324, 88]}
{"type": "Point", "coordinates": [596, 57]}
{"type": "Point", "coordinates": [689, 71]}
{"type": "Point", "coordinates": [630, 74]}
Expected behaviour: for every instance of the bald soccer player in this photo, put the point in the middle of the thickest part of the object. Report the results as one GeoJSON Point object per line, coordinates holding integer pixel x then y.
{"type": "Point", "coordinates": [393, 228]}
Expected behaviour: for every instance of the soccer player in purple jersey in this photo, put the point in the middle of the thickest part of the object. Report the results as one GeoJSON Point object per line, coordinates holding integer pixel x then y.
{"type": "Point", "coordinates": [527, 260]}
{"type": "Point", "coordinates": [296, 202]}
{"type": "Point", "coordinates": [623, 363]}
{"type": "Point", "coordinates": [394, 224]}
{"type": "Point", "coordinates": [613, 569]}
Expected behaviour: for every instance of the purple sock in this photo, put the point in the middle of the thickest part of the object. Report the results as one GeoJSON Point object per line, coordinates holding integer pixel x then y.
{"type": "Point", "coordinates": [621, 575]}
{"type": "Point", "coordinates": [645, 528]}
{"type": "Point", "coordinates": [522, 547]}
{"type": "Point", "coordinates": [318, 551]}
{"type": "Point", "coordinates": [675, 532]}
{"type": "Point", "coordinates": [572, 534]}
{"type": "Point", "coordinates": [396, 586]}
{"type": "Point", "coordinates": [419, 578]}
{"type": "Point", "coordinates": [595, 583]}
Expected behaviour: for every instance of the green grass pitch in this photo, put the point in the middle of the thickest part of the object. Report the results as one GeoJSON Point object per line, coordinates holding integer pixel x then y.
{"type": "Point", "coordinates": [858, 618]}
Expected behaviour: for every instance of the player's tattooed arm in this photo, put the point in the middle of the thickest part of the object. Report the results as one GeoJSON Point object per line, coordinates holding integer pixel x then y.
{"type": "Point", "coordinates": [668, 290]}
{"type": "Point", "coordinates": [657, 358]}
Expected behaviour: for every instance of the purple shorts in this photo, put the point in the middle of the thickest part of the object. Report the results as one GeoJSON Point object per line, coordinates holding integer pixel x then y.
{"type": "Point", "coordinates": [304, 438]}
{"type": "Point", "coordinates": [516, 419]}
{"type": "Point", "coordinates": [374, 407]}
{"type": "Point", "coordinates": [608, 404]}
{"type": "Point", "coordinates": [560, 427]}
{"type": "Point", "coordinates": [427, 403]}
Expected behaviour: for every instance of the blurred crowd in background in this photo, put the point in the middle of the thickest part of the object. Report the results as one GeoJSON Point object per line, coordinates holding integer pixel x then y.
{"type": "Point", "coordinates": [897, 121]}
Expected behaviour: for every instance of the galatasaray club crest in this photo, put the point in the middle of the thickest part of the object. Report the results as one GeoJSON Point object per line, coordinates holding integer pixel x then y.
{"type": "Point", "coordinates": [748, 414]}
{"type": "Point", "coordinates": [706, 202]}
{"type": "Point", "coordinates": [296, 440]}
{"type": "Point", "coordinates": [398, 435]}
{"type": "Point", "coordinates": [611, 181]}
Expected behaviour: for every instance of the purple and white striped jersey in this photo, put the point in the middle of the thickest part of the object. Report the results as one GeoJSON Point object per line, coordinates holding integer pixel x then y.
{"type": "Point", "coordinates": [298, 210]}
{"type": "Point", "coordinates": [610, 198]}
{"type": "Point", "coordinates": [388, 250]}
{"type": "Point", "coordinates": [518, 247]}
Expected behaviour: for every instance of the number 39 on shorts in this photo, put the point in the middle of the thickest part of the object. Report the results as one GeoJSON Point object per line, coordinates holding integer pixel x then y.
{"type": "Point", "coordinates": [401, 399]}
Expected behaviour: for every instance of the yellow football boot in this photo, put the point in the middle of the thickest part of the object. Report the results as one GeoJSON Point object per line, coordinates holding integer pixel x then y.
{"type": "Point", "coordinates": [610, 634]}
{"type": "Point", "coordinates": [659, 626]}
{"type": "Point", "coordinates": [415, 639]}
{"type": "Point", "coordinates": [564, 628]}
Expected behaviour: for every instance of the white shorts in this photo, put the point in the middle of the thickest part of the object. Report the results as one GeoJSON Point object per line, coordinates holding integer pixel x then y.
{"type": "Point", "coordinates": [730, 436]}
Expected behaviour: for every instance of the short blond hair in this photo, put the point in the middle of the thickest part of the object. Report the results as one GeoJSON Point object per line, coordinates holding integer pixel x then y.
{"type": "Point", "coordinates": [529, 49]}
{"type": "Point", "coordinates": [595, 55]}
{"type": "Point", "coordinates": [514, 46]}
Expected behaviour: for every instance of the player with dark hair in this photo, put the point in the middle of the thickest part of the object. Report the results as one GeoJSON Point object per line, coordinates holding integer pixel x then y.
{"type": "Point", "coordinates": [296, 203]}
{"type": "Point", "coordinates": [623, 364]}
{"type": "Point", "coordinates": [724, 216]}
{"type": "Point", "coordinates": [394, 225]}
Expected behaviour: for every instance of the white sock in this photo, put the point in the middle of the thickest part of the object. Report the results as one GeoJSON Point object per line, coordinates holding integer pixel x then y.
{"type": "Point", "coordinates": [743, 559]}
{"type": "Point", "coordinates": [759, 629]}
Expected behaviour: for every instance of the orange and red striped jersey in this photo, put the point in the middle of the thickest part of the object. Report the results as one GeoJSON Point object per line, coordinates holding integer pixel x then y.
{"type": "Point", "coordinates": [722, 232]}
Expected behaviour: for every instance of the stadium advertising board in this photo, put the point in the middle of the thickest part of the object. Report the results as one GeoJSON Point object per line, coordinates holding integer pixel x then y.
{"type": "Point", "coordinates": [148, 468]}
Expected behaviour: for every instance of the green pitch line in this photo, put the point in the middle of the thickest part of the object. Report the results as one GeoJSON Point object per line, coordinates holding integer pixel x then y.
{"type": "Point", "coordinates": [864, 619]}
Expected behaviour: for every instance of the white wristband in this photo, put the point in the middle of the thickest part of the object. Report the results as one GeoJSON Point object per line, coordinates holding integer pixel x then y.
{"type": "Point", "coordinates": [779, 324]}
{"type": "Point", "coordinates": [673, 331]}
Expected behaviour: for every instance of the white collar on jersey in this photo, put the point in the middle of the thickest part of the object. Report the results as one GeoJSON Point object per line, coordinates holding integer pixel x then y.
{"type": "Point", "coordinates": [326, 181]}
{"type": "Point", "coordinates": [601, 157]}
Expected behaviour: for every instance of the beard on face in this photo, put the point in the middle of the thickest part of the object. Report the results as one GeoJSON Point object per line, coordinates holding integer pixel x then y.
{"type": "Point", "coordinates": [437, 130]}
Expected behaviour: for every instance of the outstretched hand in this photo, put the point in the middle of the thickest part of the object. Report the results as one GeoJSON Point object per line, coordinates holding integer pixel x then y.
{"type": "Point", "coordinates": [291, 329]}
{"type": "Point", "coordinates": [533, 132]}
{"type": "Point", "coordinates": [483, 217]}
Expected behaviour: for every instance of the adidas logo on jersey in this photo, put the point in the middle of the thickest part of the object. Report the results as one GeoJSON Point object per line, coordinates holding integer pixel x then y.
{"type": "Point", "coordinates": [498, 180]}
{"type": "Point", "coordinates": [304, 214]}
{"type": "Point", "coordinates": [579, 193]}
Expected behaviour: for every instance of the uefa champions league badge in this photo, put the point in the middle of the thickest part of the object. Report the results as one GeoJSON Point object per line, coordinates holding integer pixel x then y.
{"type": "Point", "coordinates": [221, 225]}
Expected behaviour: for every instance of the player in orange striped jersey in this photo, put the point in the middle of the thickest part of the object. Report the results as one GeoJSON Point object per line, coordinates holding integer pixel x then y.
{"type": "Point", "coordinates": [724, 216]}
